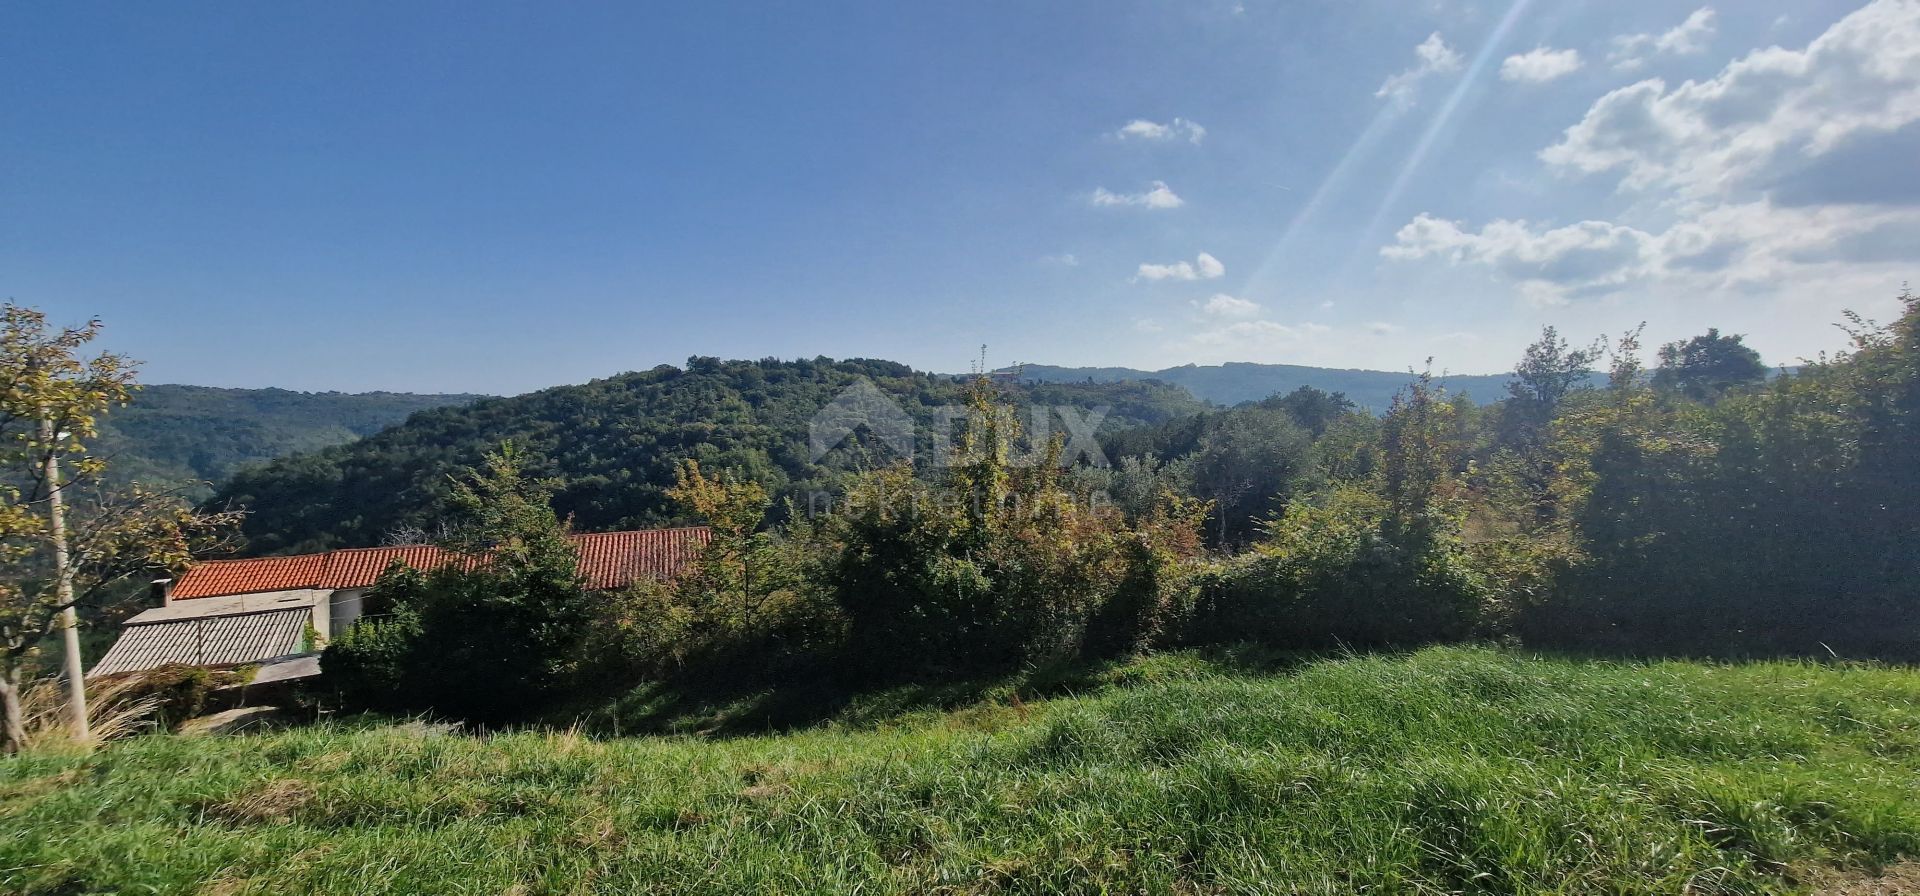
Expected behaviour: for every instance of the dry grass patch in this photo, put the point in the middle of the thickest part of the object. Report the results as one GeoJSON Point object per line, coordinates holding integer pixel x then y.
{"type": "Point", "coordinates": [272, 803]}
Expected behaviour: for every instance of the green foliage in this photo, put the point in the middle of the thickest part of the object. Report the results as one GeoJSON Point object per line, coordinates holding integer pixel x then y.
{"type": "Point", "coordinates": [1236, 383]}
{"type": "Point", "coordinates": [1705, 367]}
{"type": "Point", "coordinates": [995, 564]}
{"type": "Point", "coordinates": [1346, 571]}
{"type": "Point", "coordinates": [193, 437]}
{"type": "Point", "coordinates": [66, 539]}
{"type": "Point", "coordinates": [368, 665]}
{"type": "Point", "coordinates": [489, 637]}
{"type": "Point", "coordinates": [1775, 521]}
{"type": "Point", "coordinates": [1448, 770]}
{"type": "Point", "coordinates": [1249, 461]}
{"type": "Point", "coordinates": [747, 607]}
{"type": "Point", "coordinates": [1249, 467]}
{"type": "Point", "coordinates": [614, 446]}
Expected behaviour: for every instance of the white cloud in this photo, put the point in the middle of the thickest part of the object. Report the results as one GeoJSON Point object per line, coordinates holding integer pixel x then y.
{"type": "Point", "coordinates": [1179, 128]}
{"type": "Point", "coordinates": [1223, 305]}
{"type": "Point", "coordinates": [1064, 259]}
{"type": "Point", "coordinates": [1785, 170]}
{"type": "Point", "coordinates": [1540, 65]}
{"type": "Point", "coordinates": [1630, 51]}
{"type": "Point", "coordinates": [1206, 267]}
{"type": "Point", "coordinates": [1764, 114]}
{"type": "Point", "coordinates": [1750, 245]}
{"type": "Point", "coordinates": [1589, 256]}
{"type": "Point", "coordinates": [1157, 196]}
{"type": "Point", "coordinates": [1255, 339]}
{"type": "Point", "coordinates": [1382, 328]}
{"type": "Point", "coordinates": [1147, 325]}
{"type": "Point", "coordinates": [1246, 331]}
{"type": "Point", "coordinates": [1433, 57]}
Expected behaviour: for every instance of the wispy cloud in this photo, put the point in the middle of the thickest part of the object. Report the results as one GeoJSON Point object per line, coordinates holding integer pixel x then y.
{"type": "Point", "coordinates": [1540, 65]}
{"type": "Point", "coordinates": [1205, 267]}
{"type": "Point", "coordinates": [1064, 259]}
{"type": "Point", "coordinates": [1157, 196]}
{"type": "Point", "coordinates": [1223, 305]}
{"type": "Point", "coordinates": [1178, 129]}
{"type": "Point", "coordinates": [1631, 51]}
{"type": "Point", "coordinates": [1432, 57]}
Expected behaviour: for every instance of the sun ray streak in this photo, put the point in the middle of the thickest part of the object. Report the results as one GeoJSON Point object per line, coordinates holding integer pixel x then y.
{"type": "Point", "coordinates": [1482, 62]}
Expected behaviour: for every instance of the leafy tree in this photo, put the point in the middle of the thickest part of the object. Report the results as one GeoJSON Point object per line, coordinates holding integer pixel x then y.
{"type": "Point", "coordinates": [746, 604]}
{"type": "Point", "coordinates": [490, 635]}
{"type": "Point", "coordinates": [1249, 467]}
{"type": "Point", "coordinates": [1312, 408]}
{"type": "Point", "coordinates": [1706, 367]}
{"type": "Point", "coordinates": [1550, 371]}
{"type": "Point", "coordinates": [65, 542]}
{"type": "Point", "coordinates": [1380, 562]}
{"type": "Point", "coordinates": [996, 562]}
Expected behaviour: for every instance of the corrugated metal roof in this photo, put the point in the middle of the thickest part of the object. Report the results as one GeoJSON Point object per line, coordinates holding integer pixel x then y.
{"type": "Point", "coordinates": [207, 641]}
{"type": "Point", "coordinates": [608, 560]}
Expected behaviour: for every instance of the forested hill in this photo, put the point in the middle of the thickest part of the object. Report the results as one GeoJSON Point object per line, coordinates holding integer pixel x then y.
{"type": "Point", "coordinates": [1233, 383]}
{"type": "Point", "coordinates": [180, 435]}
{"type": "Point", "coordinates": [613, 444]}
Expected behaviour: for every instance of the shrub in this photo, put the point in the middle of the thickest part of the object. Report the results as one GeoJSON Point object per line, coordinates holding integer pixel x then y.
{"type": "Point", "coordinates": [748, 605]}
{"type": "Point", "coordinates": [1336, 572]}
{"type": "Point", "coordinates": [997, 563]}
{"type": "Point", "coordinates": [489, 636]}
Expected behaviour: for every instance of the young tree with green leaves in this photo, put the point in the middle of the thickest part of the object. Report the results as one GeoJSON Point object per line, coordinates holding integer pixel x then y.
{"type": "Point", "coordinates": [66, 541]}
{"type": "Point", "coordinates": [1706, 367]}
{"type": "Point", "coordinates": [745, 602]}
{"type": "Point", "coordinates": [489, 636]}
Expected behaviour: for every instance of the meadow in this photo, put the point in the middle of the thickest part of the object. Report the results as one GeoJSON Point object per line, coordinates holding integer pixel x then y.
{"type": "Point", "coordinates": [1453, 769]}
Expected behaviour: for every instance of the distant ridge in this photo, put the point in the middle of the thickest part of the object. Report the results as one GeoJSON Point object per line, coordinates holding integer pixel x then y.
{"type": "Point", "coordinates": [187, 436]}
{"type": "Point", "coordinates": [1238, 381]}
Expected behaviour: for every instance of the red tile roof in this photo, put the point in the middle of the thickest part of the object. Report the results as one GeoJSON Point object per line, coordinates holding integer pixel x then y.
{"type": "Point", "coordinates": [608, 560]}
{"type": "Point", "coordinates": [218, 577]}
{"type": "Point", "coordinates": [612, 560]}
{"type": "Point", "coordinates": [359, 567]}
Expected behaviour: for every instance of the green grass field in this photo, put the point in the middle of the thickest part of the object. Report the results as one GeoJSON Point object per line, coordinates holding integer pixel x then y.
{"type": "Point", "coordinates": [1446, 770]}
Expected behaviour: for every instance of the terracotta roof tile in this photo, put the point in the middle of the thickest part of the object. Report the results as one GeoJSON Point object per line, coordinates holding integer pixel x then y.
{"type": "Point", "coordinates": [612, 560]}
{"type": "Point", "coordinates": [360, 567]}
{"type": "Point", "coordinates": [608, 560]}
{"type": "Point", "coordinates": [217, 577]}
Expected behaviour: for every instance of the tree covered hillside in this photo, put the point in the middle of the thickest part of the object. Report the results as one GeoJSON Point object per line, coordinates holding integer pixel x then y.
{"type": "Point", "coordinates": [187, 435]}
{"type": "Point", "coordinates": [613, 444]}
{"type": "Point", "coordinates": [1236, 382]}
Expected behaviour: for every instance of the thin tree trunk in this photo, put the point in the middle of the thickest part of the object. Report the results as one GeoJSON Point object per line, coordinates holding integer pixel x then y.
{"type": "Point", "coordinates": [63, 586]}
{"type": "Point", "coordinates": [13, 737]}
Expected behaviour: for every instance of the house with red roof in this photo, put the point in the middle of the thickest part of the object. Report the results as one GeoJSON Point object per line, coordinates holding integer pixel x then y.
{"type": "Point", "coordinates": [276, 612]}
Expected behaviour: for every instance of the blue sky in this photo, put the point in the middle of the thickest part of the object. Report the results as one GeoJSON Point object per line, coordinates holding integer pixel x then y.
{"type": "Point", "coordinates": [486, 197]}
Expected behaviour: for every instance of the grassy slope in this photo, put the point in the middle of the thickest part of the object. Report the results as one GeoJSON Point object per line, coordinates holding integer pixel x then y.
{"type": "Point", "coordinates": [1451, 769]}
